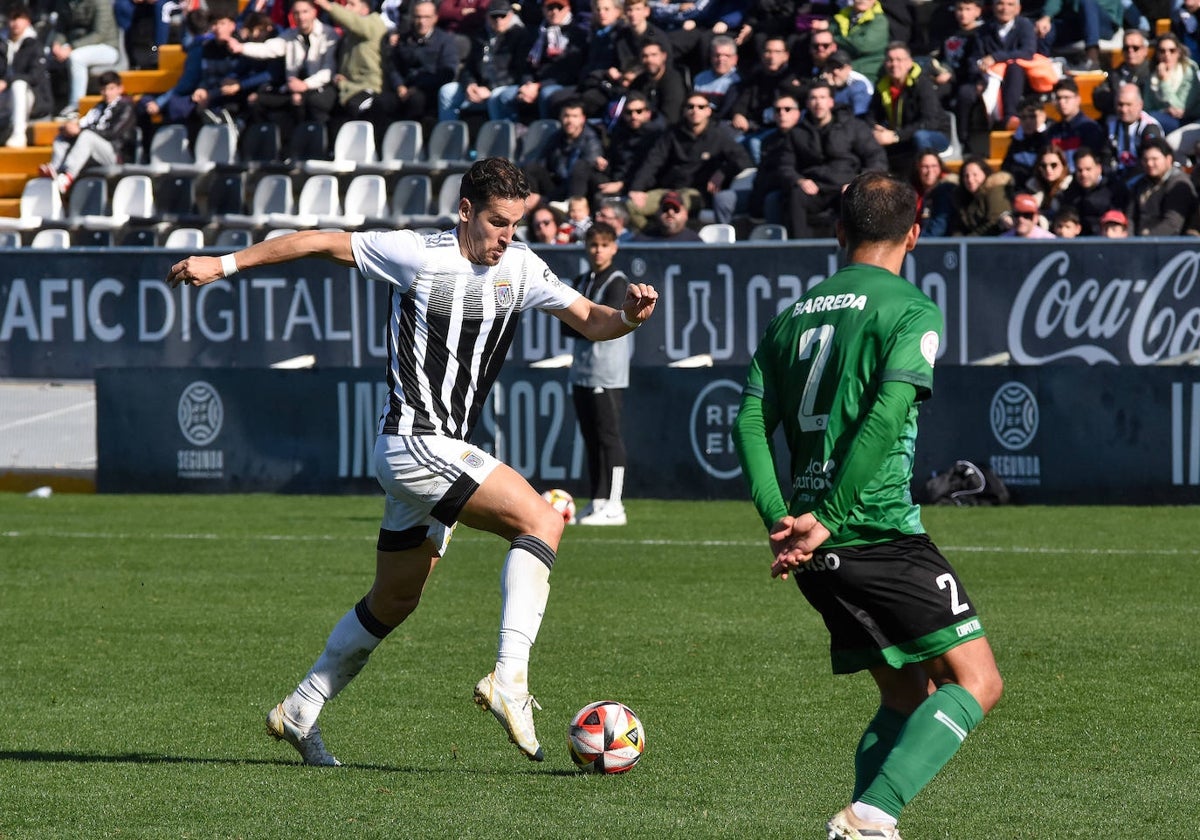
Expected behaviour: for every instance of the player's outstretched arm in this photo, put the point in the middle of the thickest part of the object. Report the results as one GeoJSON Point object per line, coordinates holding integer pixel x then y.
{"type": "Point", "coordinates": [597, 322]}
{"type": "Point", "coordinates": [199, 271]}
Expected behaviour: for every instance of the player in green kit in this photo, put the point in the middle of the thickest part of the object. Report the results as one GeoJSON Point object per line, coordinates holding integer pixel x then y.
{"type": "Point", "coordinates": [842, 370]}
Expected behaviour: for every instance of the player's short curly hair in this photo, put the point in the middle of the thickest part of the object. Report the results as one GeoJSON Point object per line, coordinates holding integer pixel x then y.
{"type": "Point", "coordinates": [877, 207]}
{"type": "Point", "coordinates": [493, 178]}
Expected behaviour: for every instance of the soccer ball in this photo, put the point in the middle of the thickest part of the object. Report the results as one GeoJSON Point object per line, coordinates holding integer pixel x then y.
{"type": "Point", "coordinates": [561, 501]}
{"type": "Point", "coordinates": [606, 737]}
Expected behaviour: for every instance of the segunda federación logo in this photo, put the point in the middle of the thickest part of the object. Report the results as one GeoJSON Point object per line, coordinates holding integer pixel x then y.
{"type": "Point", "coordinates": [200, 414]}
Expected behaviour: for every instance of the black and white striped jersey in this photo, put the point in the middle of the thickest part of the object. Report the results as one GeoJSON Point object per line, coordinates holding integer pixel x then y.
{"type": "Point", "coordinates": [450, 324]}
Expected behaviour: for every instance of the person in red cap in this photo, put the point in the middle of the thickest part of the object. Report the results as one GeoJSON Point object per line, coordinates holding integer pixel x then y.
{"type": "Point", "coordinates": [1114, 225]}
{"type": "Point", "coordinates": [1026, 216]}
{"type": "Point", "coordinates": [671, 221]}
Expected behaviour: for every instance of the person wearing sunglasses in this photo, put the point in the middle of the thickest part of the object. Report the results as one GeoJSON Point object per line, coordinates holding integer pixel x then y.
{"type": "Point", "coordinates": [1172, 94]}
{"type": "Point", "coordinates": [773, 76]}
{"type": "Point", "coordinates": [698, 158]}
{"type": "Point", "coordinates": [670, 223]}
{"type": "Point", "coordinates": [1134, 67]}
{"type": "Point", "coordinates": [629, 144]}
{"type": "Point", "coordinates": [554, 63]}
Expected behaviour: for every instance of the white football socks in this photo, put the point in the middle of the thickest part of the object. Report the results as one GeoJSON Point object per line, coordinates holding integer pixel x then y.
{"type": "Point", "coordinates": [871, 814]}
{"type": "Point", "coordinates": [524, 589]}
{"type": "Point", "coordinates": [346, 652]}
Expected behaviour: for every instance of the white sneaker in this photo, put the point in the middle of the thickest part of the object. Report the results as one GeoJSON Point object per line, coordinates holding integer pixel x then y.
{"type": "Point", "coordinates": [611, 513]}
{"type": "Point", "coordinates": [513, 711]}
{"type": "Point", "coordinates": [310, 746]}
{"type": "Point", "coordinates": [844, 825]}
{"type": "Point", "coordinates": [588, 509]}
{"type": "Point", "coordinates": [17, 140]}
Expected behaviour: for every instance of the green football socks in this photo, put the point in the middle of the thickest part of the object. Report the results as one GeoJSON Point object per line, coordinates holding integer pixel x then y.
{"type": "Point", "coordinates": [873, 748]}
{"type": "Point", "coordinates": [929, 739]}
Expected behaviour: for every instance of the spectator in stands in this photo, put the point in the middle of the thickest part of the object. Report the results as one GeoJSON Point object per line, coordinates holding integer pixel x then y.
{"type": "Point", "coordinates": [660, 82]}
{"type": "Point", "coordinates": [554, 61]}
{"type": "Point", "coordinates": [1185, 24]}
{"type": "Point", "coordinates": [1127, 129]}
{"type": "Point", "coordinates": [548, 226]}
{"type": "Point", "coordinates": [24, 79]}
{"type": "Point", "coordinates": [935, 194]}
{"type": "Point", "coordinates": [613, 213]}
{"type": "Point", "coordinates": [638, 32]}
{"type": "Point", "coordinates": [671, 223]}
{"type": "Point", "coordinates": [86, 36]}
{"type": "Point", "coordinates": [1163, 199]}
{"type": "Point", "coordinates": [788, 19]}
{"type": "Point", "coordinates": [772, 77]}
{"type": "Point", "coordinates": [821, 46]}
{"type": "Point", "coordinates": [1032, 135]}
{"type": "Point", "coordinates": [1092, 192]}
{"type": "Point", "coordinates": [1050, 178]}
{"type": "Point", "coordinates": [1002, 39]}
{"type": "Point", "coordinates": [600, 76]}
{"type": "Point", "coordinates": [1026, 220]}
{"type": "Point", "coordinates": [463, 19]}
{"type": "Point", "coordinates": [1134, 67]}
{"type": "Point", "coordinates": [359, 76]}
{"type": "Point", "coordinates": [489, 78]}
{"type": "Point", "coordinates": [417, 64]}
{"type": "Point", "coordinates": [696, 157]}
{"type": "Point", "coordinates": [981, 200]}
{"type": "Point", "coordinates": [907, 115]}
{"type": "Point", "coordinates": [851, 89]}
{"type": "Point", "coordinates": [1066, 224]}
{"type": "Point", "coordinates": [629, 144]}
{"type": "Point", "coordinates": [719, 83]}
{"type": "Point", "coordinates": [831, 147]}
{"type": "Point", "coordinates": [101, 136]}
{"type": "Point", "coordinates": [1090, 21]}
{"type": "Point", "coordinates": [214, 84]}
{"type": "Point", "coordinates": [1114, 225]}
{"type": "Point", "coordinates": [770, 194]}
{"type": "Point", "coordinates": [1172, 92]}
{"type": "Point", "coordinates": [861, 29]}
{"type": "Point", "coordinates": [579, 216]}
{"type": "Point", "coordinates": [566, 166]}
{"type": "Point", "coordinates": [1075, 128]}
{"type": "Point", "coordinates": [309, 53]}
{"type": "Point", "coordinates": [136, 21]}
{"type": "Point", "coordinates": [948, 58]}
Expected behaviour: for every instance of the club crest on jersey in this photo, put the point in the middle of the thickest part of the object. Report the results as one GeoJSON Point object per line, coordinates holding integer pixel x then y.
{"type": "Point", "coordinates": [504, 294]}
{"type": "Point", "coordinates": [472, 459]}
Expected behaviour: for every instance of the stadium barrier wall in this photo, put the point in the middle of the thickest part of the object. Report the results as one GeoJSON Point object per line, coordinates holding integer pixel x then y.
{"type": "Point", "coordinates": [1083, 301]}
{"type": "Point", "coordinates": [1056, 434]}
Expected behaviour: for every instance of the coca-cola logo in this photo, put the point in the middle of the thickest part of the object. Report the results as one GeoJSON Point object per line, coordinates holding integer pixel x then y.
{"type": "Point", "coordinates": [1055, 317]}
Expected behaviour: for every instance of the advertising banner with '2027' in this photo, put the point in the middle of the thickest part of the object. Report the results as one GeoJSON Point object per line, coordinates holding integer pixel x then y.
{"type": "Point", "coordinates": [1084, 301]}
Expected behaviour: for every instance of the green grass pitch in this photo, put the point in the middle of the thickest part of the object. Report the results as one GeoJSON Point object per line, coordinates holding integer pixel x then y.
{"type": "Point", "coordinates": [144, 639]}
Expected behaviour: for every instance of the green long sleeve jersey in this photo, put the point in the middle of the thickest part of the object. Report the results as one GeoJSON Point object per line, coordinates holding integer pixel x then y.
{"type": "Point", "coordinates": [842, 370]}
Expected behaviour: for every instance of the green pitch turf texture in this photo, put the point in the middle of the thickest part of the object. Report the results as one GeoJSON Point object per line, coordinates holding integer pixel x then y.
{"type": "Point", "coordinates": [145, 638]}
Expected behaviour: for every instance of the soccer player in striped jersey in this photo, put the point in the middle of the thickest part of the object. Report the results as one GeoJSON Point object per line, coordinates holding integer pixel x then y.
{"type": "Point", "coordinates": [842, 370]}
{"type": "Point", "coordinates": [455, 302]}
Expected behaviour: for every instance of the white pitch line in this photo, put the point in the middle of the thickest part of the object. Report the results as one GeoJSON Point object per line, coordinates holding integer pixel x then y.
{"type": "Point", "coordinates": [950, 550]}
{"type": "Point", "coordinates": [47, 415]}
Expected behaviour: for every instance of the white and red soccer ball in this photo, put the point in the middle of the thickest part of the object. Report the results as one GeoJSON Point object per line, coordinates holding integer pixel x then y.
{"type": "Point", "coordinates": [561, 501]}
{"type": "Point", "coordinates": [606, 737]}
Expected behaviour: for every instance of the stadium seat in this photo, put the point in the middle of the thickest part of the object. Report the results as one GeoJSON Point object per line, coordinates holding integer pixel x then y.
{"type": "Point", "coordinates": [308, 142]}
{"type": "Point", "coordinates": [718, 233]}
{"type": "Point", "coordinates": [401, 149]}
{"type": "Point", "coordinates": [175, 196]}
{"type": "Point", "coordinates": [88, 197]}
{"type": "Point", "coordinates": [226, 194]}
{"type": "Point", "coordinates": [533, 143]}
{"type": "Point", "coordinates": [216, 145]}
{"type": "Point", "coordinates": [272, 194]}
{"type": "Point", "coordinates": [132, 198]}
{"type": "Point", "coordinates": [768, 231]}
{"type": "Point", "coordinates": [138, 237]}
{"type": "Point", "coordinates": [10, 239]}
{"type": "Point", "coordinates": [40, 203]}
{"type": "Point", "coordinates": [496, 138]}
{"type": "Point", "coordinates": [448, 149]}
{"type": "Point", "coordinates": [168, 147]}
{"type": "Point", "coordinates": [365, 202]}
{"type": "Point", "coordinates": [261, 148]}
{"type": "Point", "coordinates": [51, 238]}
{"type": "Point", "coordinates": [353, 146]}
{"type": "Point", "coordinates": [318, 201]}
{"type": "Point", "coordinates": [185, 239]}
{"type": "Point", "coordinates": [271, 234]}
{"type": "Point", "coordinates": [411, 198]}
{"type": "Point", "coordinates": [236, 238]}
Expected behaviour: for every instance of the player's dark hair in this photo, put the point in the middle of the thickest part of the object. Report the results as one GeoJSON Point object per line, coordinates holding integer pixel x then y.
{"type": "Point", "coordinates": [600, 230]}
{"type": "Point", "coordinates": [877, 207]}
{"type": "Point", "coordinates": [491, 178]}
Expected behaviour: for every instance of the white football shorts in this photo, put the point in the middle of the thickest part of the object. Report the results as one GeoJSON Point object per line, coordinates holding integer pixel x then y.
{"type": "Point", "coordinates": [427, 479]}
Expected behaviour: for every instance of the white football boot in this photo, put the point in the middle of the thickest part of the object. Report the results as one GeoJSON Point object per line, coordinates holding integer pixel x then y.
{"type": "Point", "coordinates": [610, 513]}
{"type": "Point", "coordinates": [844, 825]}
{"type": "Point", "coordinates": [513, 711]}
{"type": "Point", "coordinates": [309, 745]}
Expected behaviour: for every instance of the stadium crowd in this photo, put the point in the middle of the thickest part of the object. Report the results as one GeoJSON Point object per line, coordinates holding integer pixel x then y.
{"type": "Point", "coordinates": [746, 112]}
